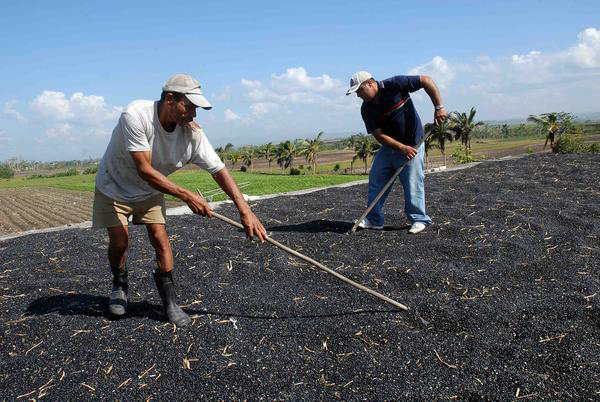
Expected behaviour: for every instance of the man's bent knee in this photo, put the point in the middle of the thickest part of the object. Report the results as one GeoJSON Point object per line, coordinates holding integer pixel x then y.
{"type": "Point", "coordinates": [158, 235]}
{"type": "Point", "coordinates": [118, 238]}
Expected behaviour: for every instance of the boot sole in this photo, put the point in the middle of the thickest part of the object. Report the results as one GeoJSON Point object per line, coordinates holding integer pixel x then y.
{"type": "Point", "coordinates": [183, 323]}
{"type": "Point", "coordinates": [117, 313]}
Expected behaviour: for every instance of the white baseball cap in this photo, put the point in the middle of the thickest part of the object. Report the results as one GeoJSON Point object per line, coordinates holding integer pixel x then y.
{"type": "Point", "coordinates": [185, 84]}
{"type": "Point", "coordinates": [358, 79]}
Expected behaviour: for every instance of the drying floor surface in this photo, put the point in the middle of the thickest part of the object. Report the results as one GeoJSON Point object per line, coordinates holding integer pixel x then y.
{"type": "Point", "coordinates": [507, 279]}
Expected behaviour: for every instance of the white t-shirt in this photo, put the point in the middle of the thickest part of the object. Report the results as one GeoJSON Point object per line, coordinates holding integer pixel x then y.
{"type": "Point", "coordinates": [139, 129]}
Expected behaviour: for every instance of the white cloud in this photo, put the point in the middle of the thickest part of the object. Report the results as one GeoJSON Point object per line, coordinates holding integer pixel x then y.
{"type": "Point", "coordinates": [76, 117]}
{"type": "Point", "coordinates": [293, 91]}
{"type": "Point", "coordinates": [230, 115]}
{"type": "Point", "coordinates": [223, 96]}
{"type": "Point", "coordinates": [586, 53]}
{"type": "Point", "coordinates": [251, 83]}
{"type": "Point", "coordinates": [296, 78]}
{"type": "Point", "coordinates": [60, 131]}
{"type": "Point", "coordinates": [53, 105]}
{"type": "Point", "coordinates": [9, 110]}
{"type": "Point", "coordinates": [259, 93]}
{"type": "Point", "coordinates": [262, 108]}
{"type": "Point", "coordinates": [521, 84]}
{"type": "Point", "coordinates": [528, 58]}
{"type": "Point", "coordinates": [438, 69]}
{"type": "Point", "coordinates": [90, 109]}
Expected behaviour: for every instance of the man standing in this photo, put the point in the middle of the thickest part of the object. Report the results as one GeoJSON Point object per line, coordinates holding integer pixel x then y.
{"type": "Point", "coordinates": [152, 140]}
{"type": "Point", "coordinates": [391, 117]}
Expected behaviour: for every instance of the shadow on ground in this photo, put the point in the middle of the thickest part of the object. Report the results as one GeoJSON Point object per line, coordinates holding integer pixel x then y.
{"type": "Point", "coordinates": [96, 306]}
{"type": "Point", "coordinates": [325, 226]}
{"type": "Point", "coordinates": [89, 305]}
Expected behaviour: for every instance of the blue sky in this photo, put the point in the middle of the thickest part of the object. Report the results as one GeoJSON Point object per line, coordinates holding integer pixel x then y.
{"type": "Point", "coordinates": [278, 70]}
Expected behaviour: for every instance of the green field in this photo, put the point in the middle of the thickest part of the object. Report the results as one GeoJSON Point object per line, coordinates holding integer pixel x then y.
{"type": "Point", "coordinates": [259, 183]}
{"type": "Point", "coordinates": [480, 147]}
{"type": "Point", "coordinates": [271, 183]}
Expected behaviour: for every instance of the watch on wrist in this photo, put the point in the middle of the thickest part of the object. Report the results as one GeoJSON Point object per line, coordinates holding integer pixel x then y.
{"type": "Point", "coordinates": [439, 107]}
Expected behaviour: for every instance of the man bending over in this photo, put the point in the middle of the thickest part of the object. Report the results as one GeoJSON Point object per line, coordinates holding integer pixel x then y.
{"type": "Point", "coordinates": [391, 117]}
{"type": "Point", "coordinates": [152, 140]}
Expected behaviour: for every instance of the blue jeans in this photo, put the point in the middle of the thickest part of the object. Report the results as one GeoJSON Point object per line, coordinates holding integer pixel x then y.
{"type": "Point", "coordinates": [386, 162]}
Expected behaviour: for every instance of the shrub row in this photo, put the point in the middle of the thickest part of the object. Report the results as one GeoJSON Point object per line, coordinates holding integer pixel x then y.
{"type": "Point", "coordinates": [70, 172]}
{"type": "Point", "coordinates": [572, 142]}
{"type": "Point", "coordinates": [6, 172]}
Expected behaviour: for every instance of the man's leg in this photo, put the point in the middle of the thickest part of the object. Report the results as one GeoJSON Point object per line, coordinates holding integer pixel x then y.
{"type": "Point", "coordinates": [117, 247]}
{"type": "Point", "coordinates": [381, 171]}
{"type": "Point", "coordinates": [117, 257]}
{"type": "Point", "coordinates": [157, 233]}
{"type": "Point", "coordinates": [163, 276]}
{"type": "Point", "coordinates": [412, 178]}
{"type": "Point", "coordinates": [112, 215]}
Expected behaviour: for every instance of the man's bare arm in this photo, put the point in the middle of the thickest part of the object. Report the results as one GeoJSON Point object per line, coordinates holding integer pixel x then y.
{"type": "Point", "coordinates": [160, 182]}
{"type": "Point", "coordinates": [434, 93]}
{"type": "Point", "coordinates": [251, 223]}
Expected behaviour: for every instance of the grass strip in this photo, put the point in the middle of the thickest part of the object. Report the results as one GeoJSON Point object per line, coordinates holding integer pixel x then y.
{"type": "Point", "coordinates": [260, 183]}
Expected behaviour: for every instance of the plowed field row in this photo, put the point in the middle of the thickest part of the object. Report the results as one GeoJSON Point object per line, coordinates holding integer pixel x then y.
{"type": "Point", "coordinates": [37, 208]}
{"type": "Point", "coordinates": [60, 208]}
{"type": "Point", "coordinates": [24, 209]}
{"type": "Point", "coordinates": [44, 213]}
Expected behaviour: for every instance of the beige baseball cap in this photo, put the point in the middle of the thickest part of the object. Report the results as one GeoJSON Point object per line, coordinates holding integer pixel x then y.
{"type": "Point", "coordinates": [185, 84]}
{"type": "Point", "coordinates": [358, 79]}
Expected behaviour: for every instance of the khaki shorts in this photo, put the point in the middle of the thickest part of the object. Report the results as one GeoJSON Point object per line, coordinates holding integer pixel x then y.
{"type": "Point", "coordinates": [108, 213]}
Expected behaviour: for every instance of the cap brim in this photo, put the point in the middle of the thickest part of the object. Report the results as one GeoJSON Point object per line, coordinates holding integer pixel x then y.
{"type": "Point", "coordinates": [352, 89]}
{"type": "Point", "coordinates": [199, 101]}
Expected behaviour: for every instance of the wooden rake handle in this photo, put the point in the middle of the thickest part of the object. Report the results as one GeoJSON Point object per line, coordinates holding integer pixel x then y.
{"type": "Point", "coordinates": [316, 264]}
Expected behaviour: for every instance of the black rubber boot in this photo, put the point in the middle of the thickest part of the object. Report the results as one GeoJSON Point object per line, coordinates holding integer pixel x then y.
{"type": "Point", "coordinates": [117, 303]}
{"type": "Point", "coordinates": [166, 289]}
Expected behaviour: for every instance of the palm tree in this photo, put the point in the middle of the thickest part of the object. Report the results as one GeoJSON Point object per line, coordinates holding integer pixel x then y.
{"type": "Point", "coordinates": [226, 151]}
{"type": "Point", "coordinates": [352, 140]}
{"type": "Point", "coordinates": [279, 156]}
{"type": "Point", "coordinates": [463, 125]}
{"type": "Point", "coordinates": [268, 151]}
{"type": "Point", "coordinates": [429, 145]}
{"type": "Point", "coordinates": [247, 156]}
{"type": "Point", "coordinates": [221, 153]}
{"type": "Point", "coordinates": [286, 152]}
{"type": "Point", "coordinates": [553, 123]}
{"type": "Point", "coordinates": [234, 157]}
{"type": "Point", "coordinates": [439, 133]}
{"type": "Point", "coordinates": [365, 147]}
{"type": "Point", "coordinates": [310, 149]}
{"type": "Point", "coordinates": [354, 158]}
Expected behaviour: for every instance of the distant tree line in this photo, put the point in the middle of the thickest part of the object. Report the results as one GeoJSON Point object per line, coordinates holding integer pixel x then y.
{"type": "Point", "coordinates": [559, 128]}
{"type": "Point", "coordinates": [561, 132]}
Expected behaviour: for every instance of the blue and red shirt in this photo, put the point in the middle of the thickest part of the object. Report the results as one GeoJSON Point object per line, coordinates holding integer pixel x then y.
{"type": "Point", "coordinates": [395, 114]}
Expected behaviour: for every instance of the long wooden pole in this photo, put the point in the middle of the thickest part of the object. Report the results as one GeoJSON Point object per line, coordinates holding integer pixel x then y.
{"type": "Point", "coordinates": [317, 264]}
{"type": "Point", "coordinates": [387, 185]}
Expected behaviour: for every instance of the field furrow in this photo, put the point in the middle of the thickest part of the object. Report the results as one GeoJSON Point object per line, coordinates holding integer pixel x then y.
{"type": "Point", "coordinates": [10, 223]}
{"type": "Point", "coordinates": [27, 210]}
{"type": "Point", "coordinates": [51, 215]}
{"type": "Point", "coordinates": [61, 209]}
{"type": "Point", "coordinates": [23, 209]}
{"type": "Point", "coordinates": [15, 214]}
